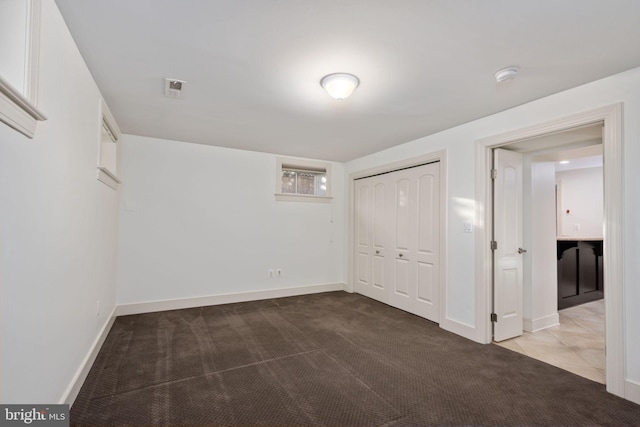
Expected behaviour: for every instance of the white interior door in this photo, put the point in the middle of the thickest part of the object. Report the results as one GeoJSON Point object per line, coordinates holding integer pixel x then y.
{"type": "Point", "coordinates": [398, 239]}
{"type": "Point", "coordinates": [370, 223]}
{"type": "Point", "coordinates": [363, 223]}
{"type": "Point", "coordinates": [402, 231]}
{"type": "Point", "coordinates": [507, 229]}
{"type": "Point", "coordinates": [427, 245]}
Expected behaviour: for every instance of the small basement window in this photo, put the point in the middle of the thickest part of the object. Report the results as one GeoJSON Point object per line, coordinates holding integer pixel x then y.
{"type": "Point", "coordinates": [303, 180]}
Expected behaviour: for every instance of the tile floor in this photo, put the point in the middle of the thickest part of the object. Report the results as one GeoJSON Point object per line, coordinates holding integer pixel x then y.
{"type": "Point", "coordinates": [576, 345]}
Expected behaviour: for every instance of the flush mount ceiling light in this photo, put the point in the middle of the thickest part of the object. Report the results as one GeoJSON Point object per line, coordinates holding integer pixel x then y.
{"type": "Point", "coordinates": [506, 74]}
{"type": "Point", "coordinates": [340, 85]}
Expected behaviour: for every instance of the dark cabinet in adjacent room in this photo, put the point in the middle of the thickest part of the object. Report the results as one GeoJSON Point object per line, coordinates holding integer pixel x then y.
{"type": "Point", "coordinates": [580, 277]}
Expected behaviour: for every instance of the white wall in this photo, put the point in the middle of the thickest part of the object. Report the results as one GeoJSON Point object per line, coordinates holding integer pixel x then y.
{"type": "Point", "coordinates": [198, 220]}
{"type": "Point", "coordinates": [581, 194]}
{"type": "Point", "coordinates": [460, 145]}
{"type": "Point", "coordinates": [58, 228]}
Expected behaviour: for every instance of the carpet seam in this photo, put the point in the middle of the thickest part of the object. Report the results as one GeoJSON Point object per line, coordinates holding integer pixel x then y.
{"type": "Point", "coordinates": [208, 374]}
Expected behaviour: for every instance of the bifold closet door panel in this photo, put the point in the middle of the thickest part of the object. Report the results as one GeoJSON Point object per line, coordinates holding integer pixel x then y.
{"type": "Point", "coordinates": [401, 230]}
{"type": "Point", "coordinates": [363, 237]}
{"type": "Point", "coordinates": [427, 250]}
{"type": "Point", "coordinates": [370, 240]}
{"type": "Point", "coordinates": [398, 239]}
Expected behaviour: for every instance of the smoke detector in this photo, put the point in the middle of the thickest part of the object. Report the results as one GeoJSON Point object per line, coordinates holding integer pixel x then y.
{"type": "Point", "coordinates": [173, 88]}
{"type": "Point", "coordinates": [506, 74]}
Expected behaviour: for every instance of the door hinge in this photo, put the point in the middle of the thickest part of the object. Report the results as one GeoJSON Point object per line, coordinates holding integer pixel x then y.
{"type": "Point", "coordinates": [494, 317]}
{"type": "Point", "coordinates": [494, 173]}
{"type": "Point", "coordinates": [494, 245]}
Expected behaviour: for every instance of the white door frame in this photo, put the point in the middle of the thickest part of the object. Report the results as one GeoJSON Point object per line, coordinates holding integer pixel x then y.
{"type": "Point", "coordinates": [613, 228]}
{"type": "Point", "coordinates": [440, 156]}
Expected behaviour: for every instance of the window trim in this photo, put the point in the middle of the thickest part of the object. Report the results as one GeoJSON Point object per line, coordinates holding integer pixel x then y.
{"type": "Point", "coordinates": [106, 175]}
{"type": "Point", "coordinates": [18, 108]}
{"type": "Point", "coordinates": [302, 164]}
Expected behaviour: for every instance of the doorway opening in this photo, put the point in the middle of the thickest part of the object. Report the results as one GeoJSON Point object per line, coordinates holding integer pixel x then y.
{"type": "Point", "coordinates": [611, 118]}
{"type": "Point", "coordinates": [562, 310]}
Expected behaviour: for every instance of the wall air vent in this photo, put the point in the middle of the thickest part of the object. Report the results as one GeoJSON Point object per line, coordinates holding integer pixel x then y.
{"type": "Point", "coordinates": [173, 88]}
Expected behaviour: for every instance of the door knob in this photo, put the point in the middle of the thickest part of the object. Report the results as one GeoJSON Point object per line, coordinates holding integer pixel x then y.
{"type": "Point", "coordinates": [521, 251]}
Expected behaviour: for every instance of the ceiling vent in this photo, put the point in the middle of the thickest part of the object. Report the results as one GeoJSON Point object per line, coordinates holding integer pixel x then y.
{"type": "Point", "coordinates": [173, 88]}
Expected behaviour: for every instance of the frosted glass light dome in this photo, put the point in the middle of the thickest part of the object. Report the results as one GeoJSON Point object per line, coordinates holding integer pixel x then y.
{"type": "Point", "coordinates": [340, 85]}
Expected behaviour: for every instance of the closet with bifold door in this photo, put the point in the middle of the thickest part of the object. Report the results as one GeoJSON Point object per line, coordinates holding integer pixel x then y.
{"type": "Point", "coordinates": [397, 239]}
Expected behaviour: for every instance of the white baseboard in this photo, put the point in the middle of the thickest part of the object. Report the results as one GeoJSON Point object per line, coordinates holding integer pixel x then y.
{"type": "Point", "coordinates": [536, 325]}
{"type": "Point", "coordinates": [74, 387]}
{"type": "Point", "coordinates": [459, 328]}
{"type": "Point", "coordinates": [632, 391]}
{"type": "Point", "coordinates": [176, 304]}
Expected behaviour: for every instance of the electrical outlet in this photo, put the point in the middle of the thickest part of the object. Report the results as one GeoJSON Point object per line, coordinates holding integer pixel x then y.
{"type": "Point", "coordinates": [270, 273]}
{"type": "Point", "coordinates": [279, 272]}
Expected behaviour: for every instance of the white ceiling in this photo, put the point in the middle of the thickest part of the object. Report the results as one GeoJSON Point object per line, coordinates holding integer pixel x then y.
{"type": "Point", "coordinates": [580, 162]}
{"type": "Point", "coordinates": [253, 67]}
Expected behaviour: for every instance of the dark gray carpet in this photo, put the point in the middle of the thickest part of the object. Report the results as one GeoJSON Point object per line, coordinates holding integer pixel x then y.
{"type": "Point", "coordinates": [333, 359]}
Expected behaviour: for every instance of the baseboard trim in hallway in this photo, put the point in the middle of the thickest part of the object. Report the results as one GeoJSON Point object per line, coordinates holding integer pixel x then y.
{"type": "Point", "coordinates": [632, 391]}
